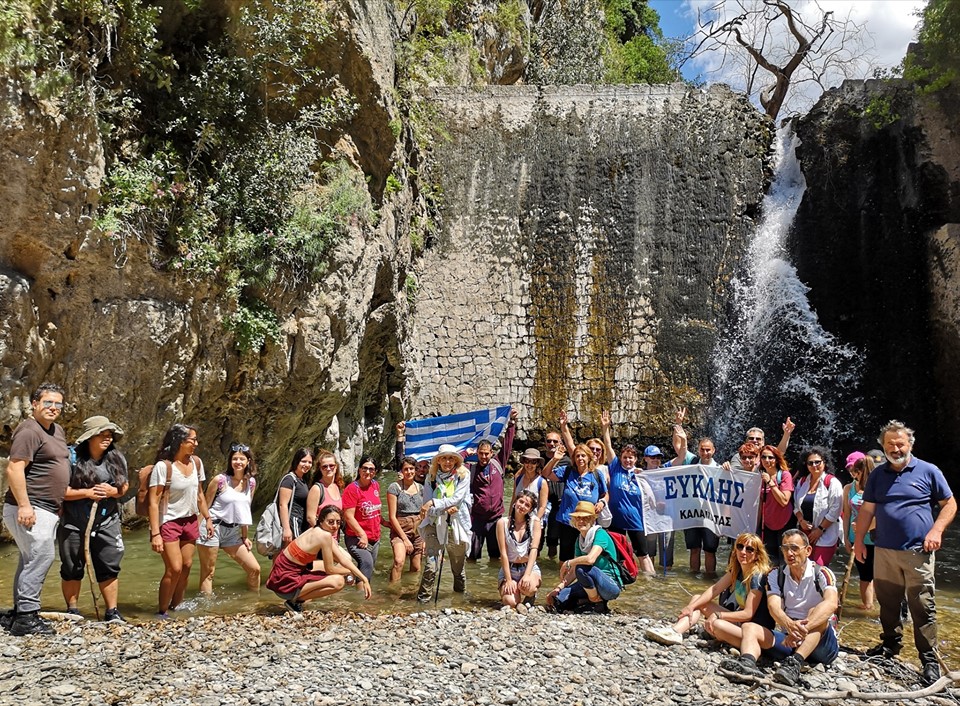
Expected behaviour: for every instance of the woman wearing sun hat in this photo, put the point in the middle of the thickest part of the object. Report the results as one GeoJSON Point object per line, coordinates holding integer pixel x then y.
{"type": "Point", "coordinates": [99, 475]}
{"type": "Point", "coordinates": [592, 577]}
{"type": "Point", "coordinates": [446, 519]}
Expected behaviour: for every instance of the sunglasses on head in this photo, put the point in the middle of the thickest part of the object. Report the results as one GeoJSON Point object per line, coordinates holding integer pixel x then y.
{"type": "Point", "coordinates": [239, 448]}
{"type": "Point", "coordinates": [749, 549]}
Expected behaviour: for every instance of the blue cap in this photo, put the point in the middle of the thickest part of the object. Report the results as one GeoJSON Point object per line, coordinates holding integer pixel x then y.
{"type": "Point", "coordinates": [652, 451]}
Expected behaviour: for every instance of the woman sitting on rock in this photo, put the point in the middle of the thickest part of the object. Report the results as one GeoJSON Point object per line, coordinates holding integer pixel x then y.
{"type": "Point", "coordinates": [404, 498]}
{"type": "Point", "coordinates": [313, 566]}
{"type": "Point", "coordinates": [229, 496]}
{"type": "Point", "coordinates": [326, 487]}
{"type": "Point", "coordinates": [738, 597]}
{"type": "Point", "coordinates": [98, 476]}
{"type": "Point", "coordinates": [174, 530]}
{"type": "Point", "coordinates": [592, 576]}
{"type": "Point", "coordinates": [518, 536]}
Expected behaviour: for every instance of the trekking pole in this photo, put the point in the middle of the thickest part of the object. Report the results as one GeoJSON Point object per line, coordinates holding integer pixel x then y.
{"type": "Point", "coordinates": [845, 583]}
{"type": "Point", "coordinates": [86, 555]}
{"type": "Point", "coordinates": [663, 552]}
{"type": "Point", "coordinates": [436, 592]}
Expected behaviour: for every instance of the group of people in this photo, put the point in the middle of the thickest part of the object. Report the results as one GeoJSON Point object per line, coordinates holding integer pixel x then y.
{"type": "Point", "coordinates": [777, 594]}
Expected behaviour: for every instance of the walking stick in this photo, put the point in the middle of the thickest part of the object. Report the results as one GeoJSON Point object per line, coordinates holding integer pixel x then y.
{"type": "Point", "coordinates": [845, 583]}
{"type": "Point", "coordinates": [86, 554]}
{"type": "Point", "coordinates": [436, 591]}
{"type": "Point", "coordinates": [663, 553]}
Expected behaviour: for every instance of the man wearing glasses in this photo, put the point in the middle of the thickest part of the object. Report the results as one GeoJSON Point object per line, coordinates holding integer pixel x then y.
{"type": "Point", "coordinates": [802, 601]}
{"type": "Point", "coordinates": [38, 474]}
{"type": "Point", "coordinates": [755, 436]}
{"type": "Point", "coordinates": [900, 494]}
{"type": "Point", "coordinates": [555, 493]}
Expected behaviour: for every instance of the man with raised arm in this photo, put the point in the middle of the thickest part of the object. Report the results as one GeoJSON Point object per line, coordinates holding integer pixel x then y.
{"type": "Point", "coordinates": [486, 487]}
{"type": "Point", "coordinates": [901, 494]}
{"type": "Point", "coordinates": [802, 598]}
{"type": "Point", "coordinates": [755, 436]}
{"type": "Point", "coordinates": [38, 474]}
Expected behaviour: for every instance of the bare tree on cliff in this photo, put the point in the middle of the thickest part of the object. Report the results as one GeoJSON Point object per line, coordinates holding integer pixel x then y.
{"type": "Point", "coordinates": [802, 47]}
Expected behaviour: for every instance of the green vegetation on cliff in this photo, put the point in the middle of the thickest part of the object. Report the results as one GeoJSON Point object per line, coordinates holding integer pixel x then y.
{"type": "Point", "coordinates": [937, 63]}
{"type": "Point", "coordinates": [215, 124]}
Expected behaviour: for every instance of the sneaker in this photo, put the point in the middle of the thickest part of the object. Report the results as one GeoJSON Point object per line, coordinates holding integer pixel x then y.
{"type": "Point", "coordinates": [789, 671]}
{"type": "Point", "coordinates": [741, 669]}
{"type": "Point", "coordinates": [113, 616]}
{"type": "Point", "coordinates": [73, 610]}
{"type": "Point", "coordinates": [665, 635]}
{"type": "Point", "coordinates": [930, 673]}
{"type": "Point", "coordinates": [30, 624]}
{"type": "Point", "coordinates": [598, 608]}
{"type": "Point", "coordinates": [883, 650]}
{"type": "Point", "coordinates": [162, 616]}
{"type": "Point", "coordinates": [293, 606]}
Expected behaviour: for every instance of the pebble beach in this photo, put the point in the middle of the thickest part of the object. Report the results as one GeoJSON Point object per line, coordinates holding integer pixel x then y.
{"type": "Point", "coordinates": [441, 658]}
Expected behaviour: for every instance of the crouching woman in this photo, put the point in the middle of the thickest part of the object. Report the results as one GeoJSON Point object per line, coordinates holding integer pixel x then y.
{"type": "Point", "coordinates": [592, 577]}
{"type": "Point", "coordinates": [312, 566]}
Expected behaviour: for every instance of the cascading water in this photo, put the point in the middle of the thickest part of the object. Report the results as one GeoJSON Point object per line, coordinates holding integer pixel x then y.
{"type": "Point", "coordinates": [775, 360]}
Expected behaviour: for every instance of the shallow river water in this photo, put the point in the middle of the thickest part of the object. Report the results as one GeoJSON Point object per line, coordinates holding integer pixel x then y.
{"type": "Point", "coordinates": [660, 597]}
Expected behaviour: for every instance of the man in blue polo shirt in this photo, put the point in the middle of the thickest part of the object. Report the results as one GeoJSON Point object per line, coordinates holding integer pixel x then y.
{"type": "Point", "coordinates": [900, 494]}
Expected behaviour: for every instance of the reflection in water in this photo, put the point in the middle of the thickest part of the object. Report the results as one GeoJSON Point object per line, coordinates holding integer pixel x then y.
{"type": "Point", "coordinates": [660, 597]}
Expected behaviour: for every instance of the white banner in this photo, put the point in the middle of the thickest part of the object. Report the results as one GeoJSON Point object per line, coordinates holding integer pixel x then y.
{"type": "Point", "coordinates": [725, 502]}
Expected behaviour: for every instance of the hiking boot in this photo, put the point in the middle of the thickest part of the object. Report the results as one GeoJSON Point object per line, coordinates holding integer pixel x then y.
{"type": "Point", "coordinates": [789, 671]}
{"type": "Point", "coordinates": [7, 618]}
{"type": "Point", "coordinates": [113, 616]}
{"type": "Point", "coordinates": [30, 624]}
{"type": "Point", "coordinates": [743, 669]}
{"type": "Point", "coordinates": [665, 635]}
{"type": "Point", "coordinates": [459, 585]}
{"type": "Point", "coordinates": [883, 650]}
{"type": "Point", "coordinates": [599, 608]}
{"type": "Point", "coordinates": [293, 606]}
{"type": "Point", "coordinates": [930, 673]}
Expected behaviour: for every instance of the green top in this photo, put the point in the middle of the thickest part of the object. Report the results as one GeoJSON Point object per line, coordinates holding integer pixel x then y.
{"type": "Point", "coordinates": [607, 561]}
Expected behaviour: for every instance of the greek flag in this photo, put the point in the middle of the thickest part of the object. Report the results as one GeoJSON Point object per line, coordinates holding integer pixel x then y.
{"type": "Point", "coordinates": [463, 431]}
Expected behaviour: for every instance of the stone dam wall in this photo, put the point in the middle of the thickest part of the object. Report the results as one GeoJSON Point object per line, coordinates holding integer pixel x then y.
{"type": "Point", "coordinates": [587, 238]}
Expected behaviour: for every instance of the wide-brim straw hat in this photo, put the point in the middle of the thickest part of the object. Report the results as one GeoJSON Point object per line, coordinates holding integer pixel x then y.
{"type": "Point", "coordinates": [97, 425]}
{"type": "Point", "coordinates": [448, 450]}
{"type": "Point", "coordinates": [584, 508]}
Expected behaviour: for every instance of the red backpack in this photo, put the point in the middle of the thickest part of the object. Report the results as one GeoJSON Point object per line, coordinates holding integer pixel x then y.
{"type": "Point", "coordinates": [626, 560]}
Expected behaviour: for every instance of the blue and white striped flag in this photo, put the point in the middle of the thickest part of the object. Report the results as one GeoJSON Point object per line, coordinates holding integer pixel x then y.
{"type": "Point", "coordinates": [463, 430]}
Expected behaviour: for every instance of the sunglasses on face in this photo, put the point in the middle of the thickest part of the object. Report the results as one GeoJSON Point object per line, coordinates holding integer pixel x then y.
{"type": "Point", "coordinates": [768, 458]}
{"type": "Point", "coordinates": [791, 548]}
{"type": "Point", "coordinates": [814, 463]}
{"type": "Point", "coordinates": [333, 523]}
{"type": "Point", "coordinates": [50, 404]}
{"type": "Point", "coordinates": [746, 548]}
{"type": "Point", "coordinates": [328, 466]}
{"type": "Point", "coordinates": [748, 459]}
{"type": "Point", "coordinates": [754, 438]}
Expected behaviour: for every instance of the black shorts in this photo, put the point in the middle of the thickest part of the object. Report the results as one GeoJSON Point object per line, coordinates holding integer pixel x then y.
{"type": "Point", "coordinates": [106, 551]}
{"type": "Point", "coordinates": [701, 537]}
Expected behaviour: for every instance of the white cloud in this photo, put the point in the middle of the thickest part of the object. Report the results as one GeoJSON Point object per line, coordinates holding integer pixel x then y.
{"type": "Point", "coordinates": [890, 25]}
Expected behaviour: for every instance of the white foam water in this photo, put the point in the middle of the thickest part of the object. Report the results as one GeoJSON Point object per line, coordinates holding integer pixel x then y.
{"type": "Point", "coordinates": [775, 359]}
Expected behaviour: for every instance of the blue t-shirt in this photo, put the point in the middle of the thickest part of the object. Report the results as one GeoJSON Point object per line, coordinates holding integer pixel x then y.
{"type": "Point", "coordinates": [589, 486]}
{"type": "Point", "coordinates": [904, 502]}
{"type": "Point", "coordinates": [626, 498]}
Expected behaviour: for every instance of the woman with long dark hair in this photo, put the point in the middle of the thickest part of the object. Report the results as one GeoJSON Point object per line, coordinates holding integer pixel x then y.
{"type": "Point", "coordinates": [404, 498]}
{"type": "Point", "coordinates": [98, 476]}
{"type": "Point", "coordinates": [852, 501]}
{"type": "Point", "coordinates": [175, 503]}
{"type": "Point", "coordinates": [776, 510]}
{"type": "Point", "coordinates": [292, 496]}
{"type": "Point", "coordinates": [518, 535]}
{"type": "Point", "coordinates": [818, 504]}
{"type": "Point", "coordinates": [230, 497]}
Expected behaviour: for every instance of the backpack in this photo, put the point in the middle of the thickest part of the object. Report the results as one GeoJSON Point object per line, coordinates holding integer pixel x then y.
{"type": "Point", "coordinates": [626, 560]}
{"type": "Point", "coordinates": [142, 506]}
{"type": "Point", "coordinates": [269, 534]}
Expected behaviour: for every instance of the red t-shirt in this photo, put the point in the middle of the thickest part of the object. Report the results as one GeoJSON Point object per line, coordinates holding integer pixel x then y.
{"type": "Point", "coordinates": [367, 508]}
{"type": "Point", "coordinates": [775, 515]}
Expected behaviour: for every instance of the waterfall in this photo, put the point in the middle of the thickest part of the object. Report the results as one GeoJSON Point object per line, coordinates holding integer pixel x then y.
{"type": "Point", "coordinates": [775, 360]}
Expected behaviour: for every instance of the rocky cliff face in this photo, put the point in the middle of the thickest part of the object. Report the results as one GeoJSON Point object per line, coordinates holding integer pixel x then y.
{"type": "Point", "coordinates": [587, 237]}
{"type": "Point", "coordinates": [877, 240]}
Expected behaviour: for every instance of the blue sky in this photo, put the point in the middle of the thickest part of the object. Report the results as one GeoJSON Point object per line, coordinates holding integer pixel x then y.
{"type": "Point", "coordinates": [889, 24]}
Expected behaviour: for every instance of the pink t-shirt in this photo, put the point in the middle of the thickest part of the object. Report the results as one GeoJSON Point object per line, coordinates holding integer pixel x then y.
{"type": "Point", "coordinates": [367, 504]}
{"type": "Point", "coordinates": [775, 515]}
